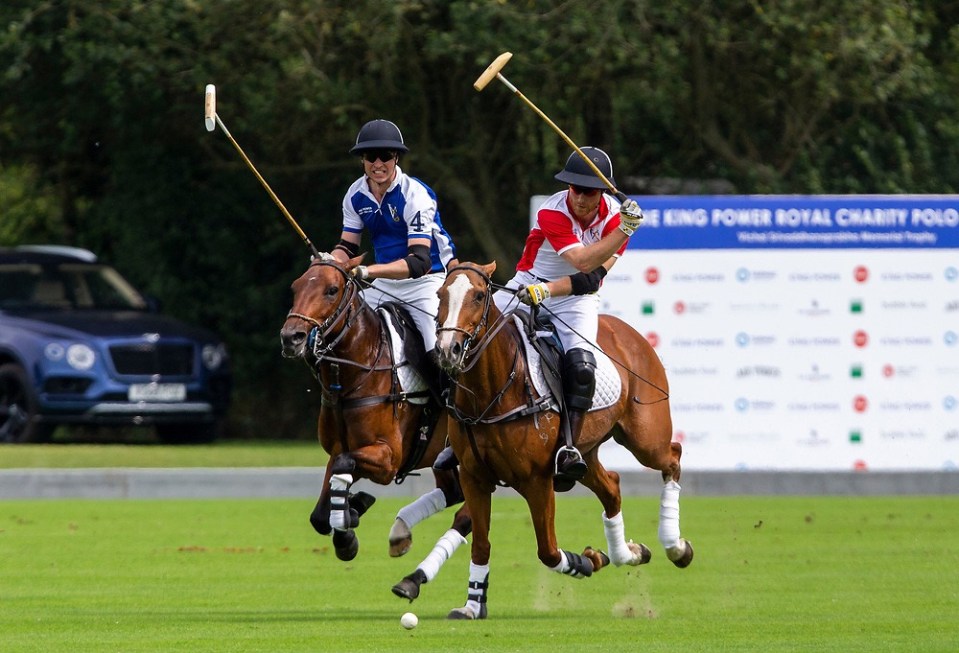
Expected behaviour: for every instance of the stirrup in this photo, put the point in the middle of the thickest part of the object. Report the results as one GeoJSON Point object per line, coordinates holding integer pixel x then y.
{"type": "Point", "coordinates": [570, 467]}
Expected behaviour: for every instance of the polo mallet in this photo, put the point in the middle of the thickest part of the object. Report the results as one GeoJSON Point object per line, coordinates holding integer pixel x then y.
{"type": "Point", "coordinates": [212, 120]}
{"type": "Point", "coordinates": [493, 70]}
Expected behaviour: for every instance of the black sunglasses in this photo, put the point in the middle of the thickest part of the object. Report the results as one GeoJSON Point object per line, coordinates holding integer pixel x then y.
{"type": "Point", "coordinates": [371, 156]}
{"type": "Point", "coordinates": [582, 190]}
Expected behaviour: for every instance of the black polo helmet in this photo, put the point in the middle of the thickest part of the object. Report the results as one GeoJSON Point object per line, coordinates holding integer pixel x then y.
{"type": "Point", "coordinates": [379, 134]}
{"type": "Point", "coordinates": [578, 173]}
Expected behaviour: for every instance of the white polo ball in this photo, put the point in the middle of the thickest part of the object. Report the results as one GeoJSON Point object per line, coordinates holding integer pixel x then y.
{"type": "Point", "coordinates": [409, 620]}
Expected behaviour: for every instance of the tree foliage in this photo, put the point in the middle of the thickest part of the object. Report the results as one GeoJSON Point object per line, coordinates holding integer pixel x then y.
{"type": "Point", "coordinates": [102, 143]}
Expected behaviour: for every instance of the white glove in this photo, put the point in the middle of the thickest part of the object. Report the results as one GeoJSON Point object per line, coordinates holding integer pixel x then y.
{"type": "Point", "coordinates": [630, 217]}
{"type": "Point", "coordinates": [360, 272]}
{"type": "Point", "coordinates": [533, 294]}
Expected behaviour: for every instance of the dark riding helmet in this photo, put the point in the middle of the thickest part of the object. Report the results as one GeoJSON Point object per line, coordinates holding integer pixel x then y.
{"type": "Point", "coordinates": [578, 173]}
{"type": "Point", "coordinates": [379, 134]}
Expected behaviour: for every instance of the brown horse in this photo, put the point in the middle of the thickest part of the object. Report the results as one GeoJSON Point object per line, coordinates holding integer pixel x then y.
{"type": "Point", "coordinates": [497, 440]}
{"type": "Point", "coordinates": [371, 428]}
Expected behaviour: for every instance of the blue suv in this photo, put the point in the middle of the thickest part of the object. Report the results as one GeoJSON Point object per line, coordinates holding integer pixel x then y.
{"type": "Point", "coordinates": [80, 345]}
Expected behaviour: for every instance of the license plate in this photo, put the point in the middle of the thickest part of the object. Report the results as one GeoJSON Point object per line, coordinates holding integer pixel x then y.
{"type": "Point", "coordinates": [157, 392]}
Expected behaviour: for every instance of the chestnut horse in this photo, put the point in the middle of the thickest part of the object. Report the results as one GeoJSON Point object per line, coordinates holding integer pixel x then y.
{"type": "Point", "coordinates": [497, 441]}
{"type": "Point", "coordinates": [370, 427]}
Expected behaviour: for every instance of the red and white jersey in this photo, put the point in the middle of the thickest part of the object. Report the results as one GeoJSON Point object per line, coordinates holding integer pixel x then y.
{"type": "Point", "coordinates": [556, 231]}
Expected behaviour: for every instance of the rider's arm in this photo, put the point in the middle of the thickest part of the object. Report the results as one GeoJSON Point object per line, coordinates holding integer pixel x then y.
{"type": "Point", "coordinates": [415, 265]}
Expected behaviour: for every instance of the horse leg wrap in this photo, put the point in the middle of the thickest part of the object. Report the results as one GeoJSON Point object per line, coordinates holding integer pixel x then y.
{"type": "Point", "coordinates": [478, 586]}
{"type": "Point", "coordinates": [669, 516]}
{"type": "Point", "coordinates": [426, 506]}
{"type": "Point", "coordinates": [573, 564]}
{"type": "Point", "coordinates": [442, 551]}
{"type": "Point", "coordinates": [340, 517]}
{"type": "Point", "coordinates": [619, 553]}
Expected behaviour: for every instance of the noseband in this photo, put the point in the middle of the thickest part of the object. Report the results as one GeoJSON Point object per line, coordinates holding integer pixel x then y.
{"type": "Point", "coordinates": [471, 336]}
{"type": "Point", "coordinates": [321, 330]}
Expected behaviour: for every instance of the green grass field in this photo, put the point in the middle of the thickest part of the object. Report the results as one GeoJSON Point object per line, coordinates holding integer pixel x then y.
{"type": "Point", "coordinates": [770, 574]}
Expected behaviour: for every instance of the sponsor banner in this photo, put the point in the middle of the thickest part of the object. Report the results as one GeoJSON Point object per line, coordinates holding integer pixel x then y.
{"type": "Point", "coordinates": [800, 352]}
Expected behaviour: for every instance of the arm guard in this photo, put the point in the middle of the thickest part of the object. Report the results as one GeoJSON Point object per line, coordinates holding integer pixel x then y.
{"type": "Point", "coordinates": [587, 282]}
{"type": "Point", "coordinates": [418, 261]}
{"type": "Point", "coordinates": [352, 250]}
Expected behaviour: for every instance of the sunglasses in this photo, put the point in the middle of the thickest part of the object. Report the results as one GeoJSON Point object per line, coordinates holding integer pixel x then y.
{"type": "Point", "coordinates": [581, 190]}
{"type": "Point", "coordinates": [371, 156]}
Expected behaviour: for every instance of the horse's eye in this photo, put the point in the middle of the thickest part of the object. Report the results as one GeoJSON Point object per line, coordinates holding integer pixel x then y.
{"type": "Point", "coordinates": [332, 291]}
{"type": "Point", "coordinates": [478, 297]}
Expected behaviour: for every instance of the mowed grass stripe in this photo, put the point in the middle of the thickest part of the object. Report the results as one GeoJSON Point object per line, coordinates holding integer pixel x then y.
{"type": "Point", "coordinates": [770, 574]}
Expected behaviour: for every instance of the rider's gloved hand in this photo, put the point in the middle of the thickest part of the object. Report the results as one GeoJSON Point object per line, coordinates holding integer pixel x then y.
{"type": "Point", "coordinates": [533, 294]}
{"type": "Point", "coordinates": [630, 217]}
{"type": "Point", "coordinates": [360, 272]}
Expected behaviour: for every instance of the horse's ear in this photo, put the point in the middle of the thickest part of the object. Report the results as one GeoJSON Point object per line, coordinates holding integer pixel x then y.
{"type": "Point", "coordinates": [356, 260]}
{"type": "Point", "coordinates": [489, 268]}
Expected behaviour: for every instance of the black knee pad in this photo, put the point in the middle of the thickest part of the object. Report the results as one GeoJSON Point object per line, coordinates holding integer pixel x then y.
{"type": "Point", "coordinates": [579, 378]}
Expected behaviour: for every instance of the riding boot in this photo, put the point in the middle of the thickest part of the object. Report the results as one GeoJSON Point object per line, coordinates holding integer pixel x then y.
{"type": "Point", "coordinates": [579, 384]}
{"type": "Point", "coordinates": [570, 466]}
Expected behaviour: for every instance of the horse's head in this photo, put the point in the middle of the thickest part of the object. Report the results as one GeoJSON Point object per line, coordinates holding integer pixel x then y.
{"type": "Point", "coordinates": [321, 301]}
{"type": "Point", "coordinates": [465, 301]}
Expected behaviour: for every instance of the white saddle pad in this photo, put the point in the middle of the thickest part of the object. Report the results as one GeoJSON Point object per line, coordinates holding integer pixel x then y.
{"type": "Point", "coordinates": [410, 379]}
{"type": "Point", "coordinates": [609, 385]}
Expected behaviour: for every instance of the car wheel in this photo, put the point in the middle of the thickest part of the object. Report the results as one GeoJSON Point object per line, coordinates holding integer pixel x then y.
{"type": "Point", "coordinates": [18, 408]}
{"type": "Point", "coordinates": [186, 433]}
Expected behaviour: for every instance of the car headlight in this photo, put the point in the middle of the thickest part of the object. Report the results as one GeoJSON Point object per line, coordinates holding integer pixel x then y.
{"type": "Point", "coordinates": [80, 357]}
{"type": "Point", "coordinates": [213, 356]}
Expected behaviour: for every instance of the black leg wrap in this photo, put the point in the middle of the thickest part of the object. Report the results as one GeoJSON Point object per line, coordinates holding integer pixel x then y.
{"type": "Point", "coordinates": [320, 519]}
{"type": "Point", "coordinates": [477, 591]}
{"type": "Point", "coordinates": [579, 566]}
{"type": "Point", "coordinates": [345, 544]}
{"type": "Point", "coordinates": [340, 500]}
{"type": "Point", "coordinates": [361, 502]}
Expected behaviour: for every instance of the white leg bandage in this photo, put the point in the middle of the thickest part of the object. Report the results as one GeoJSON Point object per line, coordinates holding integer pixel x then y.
{"type": "Point", "coordinates": [563, 565]}
{"type": "Point", "coordinates": [669, 516]}
{"type": "Point", "coordinates": [619, 553]}
{"type": "Point", "coordinates": [426, 506]}
{"type": "Point", "coordinates": [442, 551]}
{"type": "Point", "coordinates": [339, 490]}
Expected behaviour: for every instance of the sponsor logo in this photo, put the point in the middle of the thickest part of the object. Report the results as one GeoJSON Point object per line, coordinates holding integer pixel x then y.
{"type": "Point", "coordinates": [855, 436]}
{"type": "Point", "coordinates": [693, 371]}
{"type": "Point", "coordinates": [860, 404]}
{"type": "Point", "coordinates": [745, 275]}
{"type": "Point", "coordinates": [679, 308]}
{"type": "Point", "coordinates": [900, 371]}
{"type": "Point", "coordinates": [758, 371]}
{"type": "Point", "coordinates": [860, 338]}
{"type": "Point", "coordinates": [815, 341]}
{"type": "Point", "coordinates": [952, 307]}
{"type": "Point", "coordinates": [699, 407]}
{"type": "Point", "coordinates": [686, 437]}
{"type": "Point", "coordinates": [814, 375]}
{"type": "Point", "coordinates": [902, 434]}
{"type": "Point", "coordinates": [698, 277]}
{"type": "Point", "coordinates": [951, 435]}
{"type": "Point", "coordinates": [813, 407]}
{"type": "Point", "coordinates": [908, 277]}
{"type": "Point", "coordinates": [949, 402]}
{"type": "Point", "coordinates": [742, 405]}
{"type": "Point", "coordinates": [813, 439]}
{"type": "Point", "coordinates": [815, 277]}
{"type": "Point", "coordinates": [649, 307]}
{"type": "Point", "coordinates": [950, 337]}
{"type": "Point", "coordinates": [905, 406]}
{"type": "Point", "coordinates": [653, 339]}
{"type": "Point", "coordinates": [903, 305]}
{"type": "Point", "coordinates": [652, 275]}
{"type": "Point", "coordinates": [855, 371]}
{"type": "Point", "coordinates": [746, 340]}
{"type": "Point", "coordinates": [952, 273]}
{"type": "Point", "coordinates": [861, 274]}
{"type": "Point", "coordinates": [693, 308]}
{"type": "Point", "coordinates": [860, 466]}
{"type": "Point", "coordinates": [814, 310]}
{"type": "Point", "coordinates": [855, 306]}
{"type": "Point", "coordinates": [697, 343]}
{"type": "Point", "coordinates": [908, 341]}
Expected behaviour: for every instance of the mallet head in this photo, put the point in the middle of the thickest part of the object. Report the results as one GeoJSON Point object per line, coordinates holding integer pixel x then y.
{"type": "Point", "coordinates": [210, 107]}
{"type": "Point", "coordinates": [492, 70]}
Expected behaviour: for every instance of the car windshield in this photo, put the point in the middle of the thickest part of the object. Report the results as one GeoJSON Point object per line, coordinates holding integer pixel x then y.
{"type": "Point", "coordinates": [68, 285]}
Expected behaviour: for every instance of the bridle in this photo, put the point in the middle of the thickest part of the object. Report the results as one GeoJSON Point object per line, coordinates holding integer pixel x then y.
{"type": "Point", "coordinates": [476, 337]}
{"type": "Point", "coordinates": [321, 330]}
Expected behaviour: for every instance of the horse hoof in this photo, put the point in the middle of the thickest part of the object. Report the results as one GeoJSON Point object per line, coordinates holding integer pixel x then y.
{"type": "Point", "coordinates": [597, 557]}
{"type": "Point", "coordinates": [346, 545]}
{"type": "Point", "coordinates": [681, 557]}
{"type": "Point", "coordinates": [467, 613]}
{"type": "Point", "coordinates": [641, 553]}
{"type": "Point", "coordinates": [361, 502]}
{"type": "Point", "coordinates": [409, 587]}
{"type": "Point", "coordinates": [401, 539]}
